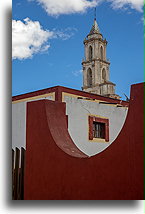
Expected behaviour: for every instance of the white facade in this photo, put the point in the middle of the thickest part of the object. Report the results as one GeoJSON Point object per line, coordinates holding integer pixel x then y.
{"type": "Point", "coordinates": [19, 120]}
{"type": "Point", "coordinates": [78, 111]}
{"type": "Point", "coordinates": [19, 125]}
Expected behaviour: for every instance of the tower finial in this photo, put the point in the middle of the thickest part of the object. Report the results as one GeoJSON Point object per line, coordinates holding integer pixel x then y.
{"type": "Point", "coordinates": [95, 14]}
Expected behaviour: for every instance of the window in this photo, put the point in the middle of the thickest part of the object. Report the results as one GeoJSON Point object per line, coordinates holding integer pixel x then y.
{"type": "Point", "coordinates": [104, 74]}
{"type": "Point", "coordinates": [90, 53]}
{"type": "Point", "coordinates": [98, 128]}
{"type": "Point", "coordinates": [101, 52]}
{"type": "Point", "coordinates": [89, 76]}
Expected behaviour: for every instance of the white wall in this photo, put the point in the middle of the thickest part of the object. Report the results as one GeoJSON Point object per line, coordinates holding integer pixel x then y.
{"type": "Point", "coordinates": [19, 125]}
{"type": "Point", "coordinates": [78, 112]}
{"type": "Point", "coordinates": [19, 122]}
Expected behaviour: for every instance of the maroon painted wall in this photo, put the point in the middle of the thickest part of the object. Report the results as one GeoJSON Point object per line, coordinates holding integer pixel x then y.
{"type": "Point", "coordinates": [50, 173]}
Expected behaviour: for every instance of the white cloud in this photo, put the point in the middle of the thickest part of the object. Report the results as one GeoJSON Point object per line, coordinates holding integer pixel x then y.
{"type": "Point", "coordinates": [77, 73]}
{"type": "Point", "coordinates": [58, 7]}
{"type": "Point", "coordinates": [134, 4]}
{"type": "Point", "coordinates": [28, 38]}
{"type": "Point", "coordinates": [64, 34]}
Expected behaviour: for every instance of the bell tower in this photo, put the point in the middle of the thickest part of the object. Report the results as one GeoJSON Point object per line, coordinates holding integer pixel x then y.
{"type": "Point", "coordinates": [96, 73]}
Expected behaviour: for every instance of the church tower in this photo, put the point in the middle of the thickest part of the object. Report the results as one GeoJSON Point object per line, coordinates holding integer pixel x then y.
{"type": "Point", "coordinates": [96, 72]}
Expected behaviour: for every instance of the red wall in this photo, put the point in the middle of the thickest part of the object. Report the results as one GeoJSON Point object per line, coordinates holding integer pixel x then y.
{"type": "Point", "coordinates": [50, 173]}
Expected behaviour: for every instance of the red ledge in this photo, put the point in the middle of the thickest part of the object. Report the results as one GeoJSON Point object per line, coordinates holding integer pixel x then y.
{"type": "Point", "coordinates": [58, 95]}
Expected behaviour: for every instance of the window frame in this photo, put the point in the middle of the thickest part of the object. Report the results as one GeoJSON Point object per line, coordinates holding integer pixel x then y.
{"type": "Point", "coordinates": [99, 120]}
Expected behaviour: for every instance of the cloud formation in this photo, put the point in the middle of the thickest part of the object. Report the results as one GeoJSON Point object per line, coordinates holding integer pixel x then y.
{"type": "Point", "coordinates": [77, 73]}
{"type": "Point", "coordinates": [29, 38]}
{"type": "Point", "coordinates": [58, 7]}
{"type": "Point", "coordinates": [134, 4]}
{"type": "Point", "coordinates": [64, 34]}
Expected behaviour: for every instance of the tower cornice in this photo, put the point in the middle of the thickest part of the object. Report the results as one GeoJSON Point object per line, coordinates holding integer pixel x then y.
{"type": "Point", "coordinates": [107, 83]}
{"type": "Point", "coordinates": [95, 39]}
{"type": "Point", "coordinates": [93, 60]}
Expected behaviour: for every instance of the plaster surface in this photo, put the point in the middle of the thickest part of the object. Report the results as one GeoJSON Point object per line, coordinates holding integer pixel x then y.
{"type": "Point", "coordinates": [19, 121]}
{"type": "Point", "coordinates": [78, 112]}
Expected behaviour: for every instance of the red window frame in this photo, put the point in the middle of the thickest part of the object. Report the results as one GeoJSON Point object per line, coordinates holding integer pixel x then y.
{"type": "Point", "coordinates": [99, 120]}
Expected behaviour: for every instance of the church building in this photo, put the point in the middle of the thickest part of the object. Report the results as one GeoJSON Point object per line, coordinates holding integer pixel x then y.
{"type": "Point", "coordinates": [87, 144]}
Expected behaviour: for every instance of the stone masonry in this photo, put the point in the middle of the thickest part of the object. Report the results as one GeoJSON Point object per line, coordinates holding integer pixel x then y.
{"type": "Point", "coordinates": [96, 72]}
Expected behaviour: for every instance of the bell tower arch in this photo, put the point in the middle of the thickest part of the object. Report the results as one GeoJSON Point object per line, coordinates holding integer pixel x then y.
{"type": "Point", "coordinates": [103, 75]}
{"type": "Point", "coordinates": [90, 52]}
{"type": "Point", "coordinates": [101, 52]}
{"type": "Point", "coordinates": [89, 77]}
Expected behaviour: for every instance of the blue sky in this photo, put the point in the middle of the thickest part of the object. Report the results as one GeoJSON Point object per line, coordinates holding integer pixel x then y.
{"type": "Point", "coordinates": [54, 55]}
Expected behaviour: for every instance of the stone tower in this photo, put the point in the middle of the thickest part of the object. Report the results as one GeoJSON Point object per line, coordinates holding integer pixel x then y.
{"type": "Point", "coordinates": [96, 66]}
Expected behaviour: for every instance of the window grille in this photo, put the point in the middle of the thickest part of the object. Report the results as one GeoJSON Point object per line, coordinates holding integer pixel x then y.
{"type": "Point", "coordinates": [98, 130]}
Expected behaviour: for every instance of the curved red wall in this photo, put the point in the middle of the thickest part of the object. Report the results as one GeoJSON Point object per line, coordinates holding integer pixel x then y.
{"type": "Point", "coordinates": [116, 173]}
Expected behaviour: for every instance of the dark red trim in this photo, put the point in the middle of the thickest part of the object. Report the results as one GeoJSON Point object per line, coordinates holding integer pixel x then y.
{"type": "Point", "coordinates": [67, 120]}
{"type": "Point", "coordinates": [35, 93]}
{"type": "Point", "coordinates": [100, 120]}
{"type": "Point", "coordinates": [107, 131]}
{"type": "Point", "coordinates": [58, 95]}
{"type": "Point", "coordinates": [90, 128]}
